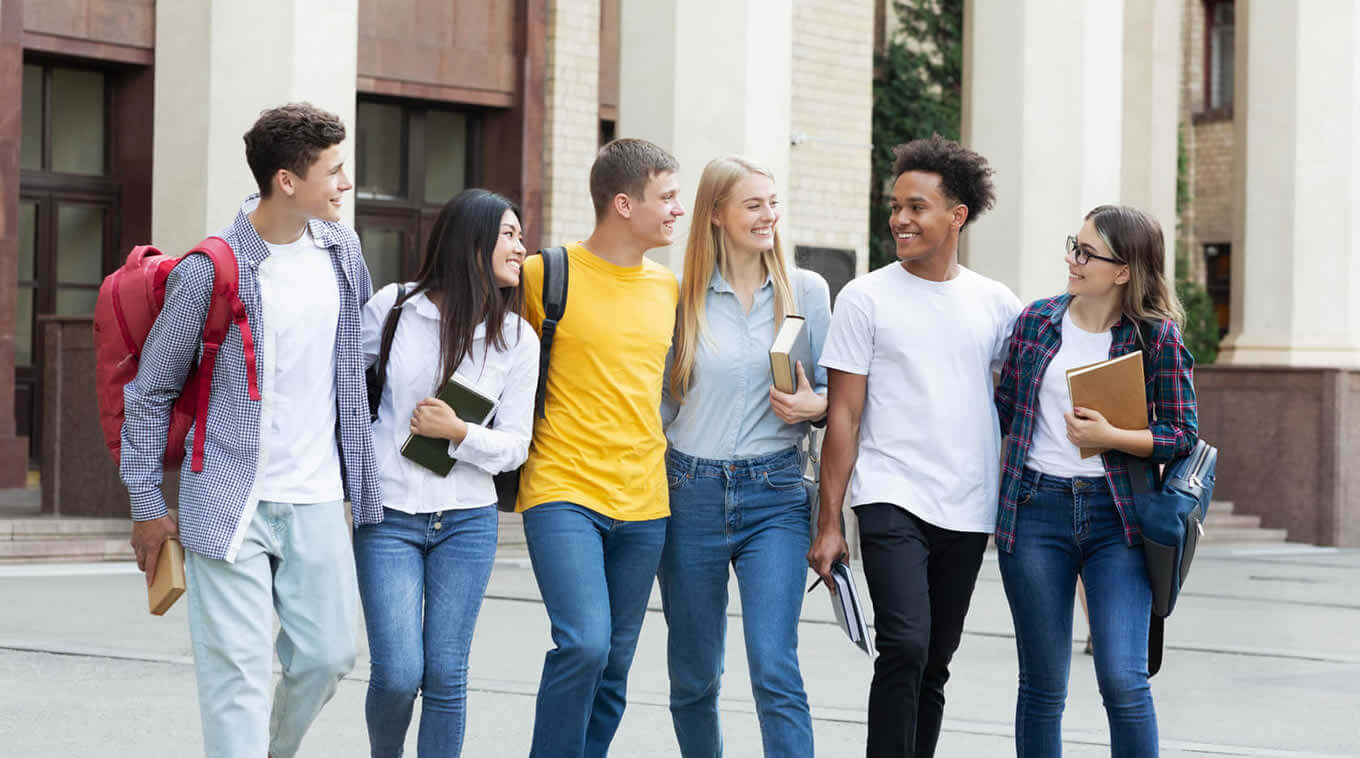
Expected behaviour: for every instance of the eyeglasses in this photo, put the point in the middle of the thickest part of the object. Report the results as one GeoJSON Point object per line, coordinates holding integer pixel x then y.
{"type": "Point", "coordinates": [1083, 255]}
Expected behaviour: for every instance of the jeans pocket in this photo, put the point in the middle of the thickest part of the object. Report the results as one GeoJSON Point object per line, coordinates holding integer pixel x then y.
{"type": "Point", "coordinates": [678, 480]}
{"type": "Point", "coordinates": [785, 479]}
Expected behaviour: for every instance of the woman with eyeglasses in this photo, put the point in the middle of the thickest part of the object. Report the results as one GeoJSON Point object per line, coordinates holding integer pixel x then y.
{"type": "Point", "coordinates": [1062, 516]}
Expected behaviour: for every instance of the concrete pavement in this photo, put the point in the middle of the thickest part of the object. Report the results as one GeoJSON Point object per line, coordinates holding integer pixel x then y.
{"type": "Point", "coordinates": [1263, 660]}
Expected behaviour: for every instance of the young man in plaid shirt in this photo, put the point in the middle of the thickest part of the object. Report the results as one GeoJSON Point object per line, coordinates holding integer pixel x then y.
{"type": "Point", "coordinates": [910, 355]}
{"type": "Point", "coordinates": [287, 442]}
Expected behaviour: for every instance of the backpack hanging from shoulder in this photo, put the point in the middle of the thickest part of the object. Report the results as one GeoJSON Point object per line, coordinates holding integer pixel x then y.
{"type": "Point", "coordinates": [1171, 509]}
{"type": "Point", "coordinates": [129, 302]}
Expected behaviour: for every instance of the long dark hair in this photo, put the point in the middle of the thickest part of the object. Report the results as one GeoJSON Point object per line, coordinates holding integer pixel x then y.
{"type": "Point", "coordinates": [458, 266]}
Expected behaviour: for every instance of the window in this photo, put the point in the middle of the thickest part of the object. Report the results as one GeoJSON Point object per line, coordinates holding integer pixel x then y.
{"type": "Point", "coordinates": [1218, 281]}
{"type": "Point", "coordinates": [68, 212]}
{"type": "Point", "coordinates": [836, 265]}
{"type": "Point", "coordinates": [1218, 40]}
{"type": "Point", "coordinates": [411, 158]}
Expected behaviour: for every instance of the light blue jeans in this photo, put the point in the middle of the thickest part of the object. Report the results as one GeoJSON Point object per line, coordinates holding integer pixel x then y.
{"type": "Point", "coordinates": [295, 561]}
{"type": "Point", "coordinates": [1065, 528]}
{"type": "Point", "coordinates": [751, 515]}
{"type": "Point", "coordinates": [422, 578]}
{"type": "Point", "coordinates": [595, 574]}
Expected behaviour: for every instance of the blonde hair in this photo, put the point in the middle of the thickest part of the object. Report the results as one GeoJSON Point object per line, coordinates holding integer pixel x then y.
{"type": "Point", "coordinates": [707, 249]}
{"type": "Point", "coordinates": [1136, 239]}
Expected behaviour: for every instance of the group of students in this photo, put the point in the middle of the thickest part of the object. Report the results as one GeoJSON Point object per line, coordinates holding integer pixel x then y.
{"type": "Point", "coordinates": [660, 451]}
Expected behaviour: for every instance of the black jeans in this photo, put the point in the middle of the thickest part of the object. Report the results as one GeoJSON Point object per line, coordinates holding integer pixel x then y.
{"type": "Point", "coordinates": [920, 580]}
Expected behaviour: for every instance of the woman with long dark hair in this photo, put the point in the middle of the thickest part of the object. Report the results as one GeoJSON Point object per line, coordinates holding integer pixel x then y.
{"type": "Point", "coordinates": [423, 569]}
{"type": "Point", "coordinates": [1064, 516]}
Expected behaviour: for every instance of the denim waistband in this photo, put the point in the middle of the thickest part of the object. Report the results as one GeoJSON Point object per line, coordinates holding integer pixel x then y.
{"type": "Point", "coordinates": [1085, 484]}
{"type": "Point", "coordinates": [741, 468]}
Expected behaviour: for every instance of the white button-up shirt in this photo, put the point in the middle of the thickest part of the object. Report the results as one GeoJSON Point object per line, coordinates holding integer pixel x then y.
{"type": "Point", "coordinates": [510, 375]}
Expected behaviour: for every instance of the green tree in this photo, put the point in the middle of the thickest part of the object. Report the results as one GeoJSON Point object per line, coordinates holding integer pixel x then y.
{"type": "Point", "coordinates": [918, 91]}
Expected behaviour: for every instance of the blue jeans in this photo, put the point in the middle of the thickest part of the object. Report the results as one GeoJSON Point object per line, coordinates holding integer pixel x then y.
{"type": "Point", "coordinates": [1067, 527]}
{"type": "Point", "coordinates": [422, 578]}
{"type": "Point", "coordinates": [751, 514]}
{"type": "Point", "coordinates": [595, 575]}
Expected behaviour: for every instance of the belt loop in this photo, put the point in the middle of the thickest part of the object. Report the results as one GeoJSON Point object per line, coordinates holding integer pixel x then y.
{"type": "Point", "coordinates": [693, 467]}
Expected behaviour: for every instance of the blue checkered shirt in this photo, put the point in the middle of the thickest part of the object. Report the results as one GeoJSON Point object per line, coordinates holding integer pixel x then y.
{"type": "Point", "coordinates": [212, 501]}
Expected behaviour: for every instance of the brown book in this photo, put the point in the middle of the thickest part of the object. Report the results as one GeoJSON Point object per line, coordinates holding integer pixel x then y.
{"type": "Point", "coordinates": [169, 583]}
{"type": "Point", "coordinates": [1114, 388]}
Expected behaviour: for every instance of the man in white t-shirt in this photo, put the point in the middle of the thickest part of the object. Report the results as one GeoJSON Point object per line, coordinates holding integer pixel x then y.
{"type": "Point", "coordinates": [910, 355]}
{"type": "Point", "coordinates": [285, 443]}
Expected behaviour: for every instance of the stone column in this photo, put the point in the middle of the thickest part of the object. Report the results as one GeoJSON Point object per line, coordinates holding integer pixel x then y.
{"type": "Point", "coordinates": [1296, 237]}
{"type": "Point", "coordinates": [571, 128]}
{"type": "Point", "coordinates": [1074, 106]}
{"type": "Point", "coordinates": [704, 79]}
{"type": "Point", "coordinates": [219, 63]}
{"type": "Point", "coordinates": [13, 450]}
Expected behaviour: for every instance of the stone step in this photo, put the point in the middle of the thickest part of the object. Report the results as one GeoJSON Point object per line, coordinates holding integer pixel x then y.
{"type": "Point", "coordinates": [57, 527]}
{"type": "Point", "coordinates": [1231, 521]}
{"type": "Point", "coordinates": [1221, 506]}
{"type": "Point", "coordinates": [1239, 534]}
{"type": "Point", "coordinates": [80, 549]}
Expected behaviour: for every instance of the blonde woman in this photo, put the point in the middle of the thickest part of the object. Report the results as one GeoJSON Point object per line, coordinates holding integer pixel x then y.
{"type": "Point", "coordinates": [733, 466]}
{"type": "Point", "coordinates": [1062, 516]}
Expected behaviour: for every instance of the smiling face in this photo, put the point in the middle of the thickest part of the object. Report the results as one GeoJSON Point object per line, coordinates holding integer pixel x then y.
{"type": "Point", "coordinates": [508, 257]}
{"type": "Point", "coordinates": [749, 214]}
{"type": "Point", "coordinates": [651, 217]}
{"type": "Point", "coordinates": [1095, 278]}
{"type": "Point", "coordinates": [925, 222]}
{"type": "Point", "coordinates": [320, 193]}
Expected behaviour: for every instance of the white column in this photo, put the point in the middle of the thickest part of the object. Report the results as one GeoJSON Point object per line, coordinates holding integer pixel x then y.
{"type": "Point", "coordinates": [1296, 238]}
{"type": "Point", "coordinates": [219, 63]}
{"type": "Point", "coordinates": [571, 119]}
{"type": "Point", "coordinates": [704, 79]}
{"type": "Point", "coordinates": [1074, 106]}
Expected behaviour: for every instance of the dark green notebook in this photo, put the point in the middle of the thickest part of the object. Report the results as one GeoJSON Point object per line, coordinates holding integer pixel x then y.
{"type": "Point", "coordinates": [470, 405]}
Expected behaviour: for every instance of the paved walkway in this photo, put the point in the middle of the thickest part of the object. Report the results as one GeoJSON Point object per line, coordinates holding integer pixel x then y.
{"type": "Point", "coordinates": [1263, 660]}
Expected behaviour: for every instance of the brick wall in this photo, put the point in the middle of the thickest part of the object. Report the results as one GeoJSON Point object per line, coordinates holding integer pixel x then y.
{"type": "Point", "coordinates": [1209, 143]}
{"type": "Point", "coordinates": [828, 190]}
{"type": "Point", "coordinates": [571, 121]}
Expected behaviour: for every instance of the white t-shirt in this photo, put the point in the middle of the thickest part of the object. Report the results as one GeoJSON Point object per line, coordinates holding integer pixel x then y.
{"type": "Point", "coordinates": [300, 298]}
{"type": "Point", "coordinates": [929, 437]}
{"type": "Point", "coordinates": [1051, 452]}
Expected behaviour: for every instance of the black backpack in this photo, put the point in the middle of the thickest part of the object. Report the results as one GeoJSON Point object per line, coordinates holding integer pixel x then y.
{"type": "Point", "coordinates": [555, 270]}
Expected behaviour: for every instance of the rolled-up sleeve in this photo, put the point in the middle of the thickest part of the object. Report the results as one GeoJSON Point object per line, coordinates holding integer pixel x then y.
{"type": "Point", "coordinates": [170, 351]}
{"type": "Point", "coordinates": [506, 446]}
{"type": "Point", "coordinates": [1176, 428]}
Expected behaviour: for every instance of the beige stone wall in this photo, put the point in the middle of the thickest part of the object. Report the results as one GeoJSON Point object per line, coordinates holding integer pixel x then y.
{"type": "Point", "coordinates": [828, 189]}
{"type": "Point", "coordinates": [1213, 181]}
{"type": "Point", "coordinates": [571, 120]}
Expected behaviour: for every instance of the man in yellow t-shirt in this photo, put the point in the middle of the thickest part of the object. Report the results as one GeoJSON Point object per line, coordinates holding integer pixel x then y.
{"type": "Point", "coordinates": [593, 491]}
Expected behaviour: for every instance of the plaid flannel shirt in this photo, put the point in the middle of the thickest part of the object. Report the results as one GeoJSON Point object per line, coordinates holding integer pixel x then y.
{"type": "Point", "coordinates": [1170, 401]}
{"type": "Point", "coordinates": [212, 501]}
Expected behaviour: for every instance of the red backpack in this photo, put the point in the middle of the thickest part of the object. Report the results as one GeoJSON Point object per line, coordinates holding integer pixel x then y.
{"type": "Point", "coordinates": [130, 299]}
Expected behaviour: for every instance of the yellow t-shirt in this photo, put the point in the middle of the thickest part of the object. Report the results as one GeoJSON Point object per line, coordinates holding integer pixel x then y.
{"type": "Point", "coordinates": [600, 444]}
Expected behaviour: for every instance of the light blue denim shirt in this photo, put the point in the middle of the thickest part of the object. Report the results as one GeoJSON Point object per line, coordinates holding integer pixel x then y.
{"type": "Point", "coordinates": [726, 414]}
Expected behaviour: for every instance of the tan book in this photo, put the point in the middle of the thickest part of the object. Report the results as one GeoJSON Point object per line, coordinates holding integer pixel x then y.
{"type": "Point", "coordinates": [791, 345]}
{"type": "Point", "coordinates": [169, 583]}
{"type": "Point", "coordinates": [1114, 388]}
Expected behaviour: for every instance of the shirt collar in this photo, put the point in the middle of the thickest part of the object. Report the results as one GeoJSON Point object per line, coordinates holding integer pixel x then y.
{"type": "Point", "coordinates": [426, 308]}
{"type": "Point", "coordinates": [255, 249]}
{"type": "Point", "coordinates": [717, 283]}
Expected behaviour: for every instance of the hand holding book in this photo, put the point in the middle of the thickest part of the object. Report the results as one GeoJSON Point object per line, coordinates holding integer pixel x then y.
{"type": "Point", "coordinates": [434, 418]}
{"type": "Point", "coordinates": [801, 405]}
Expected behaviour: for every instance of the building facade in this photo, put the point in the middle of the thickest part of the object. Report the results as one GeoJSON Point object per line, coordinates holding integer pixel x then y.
{"type": "Point", "coordinates": [122, 124]}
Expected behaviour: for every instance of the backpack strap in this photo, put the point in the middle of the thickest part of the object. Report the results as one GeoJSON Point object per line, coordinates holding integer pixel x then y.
{"type": "Point", "coordinates": [224, 309]}
{"type": "Point", "coordinates": [555, 271]}
{"type": "Point", "coordinates": [389, 331]}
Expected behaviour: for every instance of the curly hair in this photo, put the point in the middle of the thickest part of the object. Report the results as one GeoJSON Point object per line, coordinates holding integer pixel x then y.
{"type": "Point", "coordinates": [964, 175]}
{"type": "Point", "coordinates": [290, 136]}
